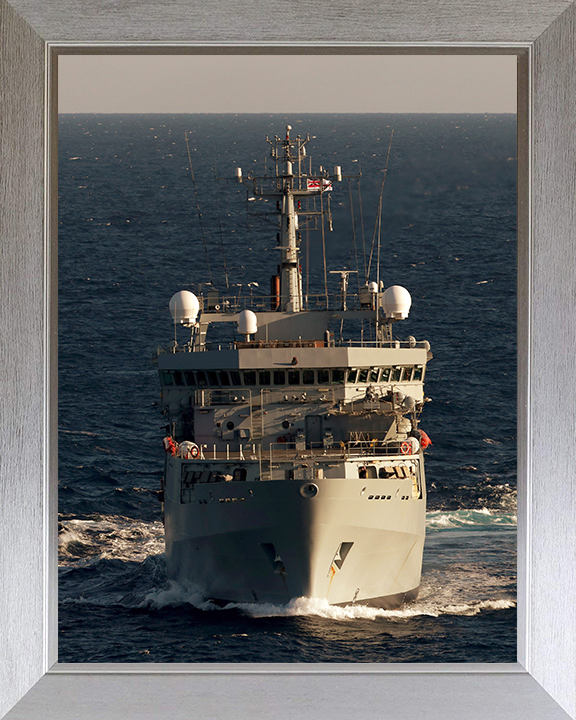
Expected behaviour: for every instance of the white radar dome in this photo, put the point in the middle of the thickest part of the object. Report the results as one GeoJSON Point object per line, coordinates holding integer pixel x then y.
{"type": "Point", "coordinates": [396, 302]}
{"type": "Point", "coordinates": [247, 323]}
{"type": "Point", "coordinates": [373, 287]}
{"type": "Point", "coordinates": [184, 307]}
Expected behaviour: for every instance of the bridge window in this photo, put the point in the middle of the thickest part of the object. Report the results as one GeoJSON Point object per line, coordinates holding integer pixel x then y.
{"type": "Point", "coordinates": [407, 374]}
{"type": "Point", "coordinates": [396, 374]}
{"type": "Point", "coordinates": [352, 375]}
{"type": "Point", "coordinates": [323, 376]}
{"type": "Point", "coordinates": [212, 378]}
{"type": "Point", "coordinates": [385, 375]}
{"type": "Point", "coordinates": [235, 377]}
{"type": "Point", "coordinates": [363, 375]}
{"type": "Point", "coordinates": [249, 377]}
{"type": "Point", "coordinates": [337, 376]}
{"type": "Point", "coordinates": [224, 378]}
{"type": "Point", "coordinates": [201, 378]}
{"type": "Point", "coordinates": [264, 377]}
{"type": "Point", "coordinates": [417, 377]}
{"type": "Point", "coordinates": [308, 377]}
{"type": "Point", "coordinates": [293, 377]}
{"type": "Point", "coordinates": [167, 377]}
{"type": "Point", "coordinates": [374, 375]}
{"type": "Point", "coordinates": [189, 376]}
{"type": "Point", "coordinates": [279, 377]}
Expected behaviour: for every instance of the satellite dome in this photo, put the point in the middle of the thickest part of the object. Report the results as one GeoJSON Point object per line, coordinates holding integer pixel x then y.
{"type": "Point", "coordinates": [247, 322]}
{"type": "Point", "coordinates": [373, 287]}
{"type": "Point", "coordinates": [396, 302]}
{"type": "Point", "coordinates": [184, 307]}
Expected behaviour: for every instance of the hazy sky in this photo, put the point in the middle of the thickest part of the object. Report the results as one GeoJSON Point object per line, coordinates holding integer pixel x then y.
{"type": "Point", "coordinates": [287, 83]}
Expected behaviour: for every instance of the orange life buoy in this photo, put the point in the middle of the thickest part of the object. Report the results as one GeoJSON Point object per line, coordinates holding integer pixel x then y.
{"type": "Point", "coordinates": [405, 448]}
{"type": "Point", "coordinates": [194, 451]}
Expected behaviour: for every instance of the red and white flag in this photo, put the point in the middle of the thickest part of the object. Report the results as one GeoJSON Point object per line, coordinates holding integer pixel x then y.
{"type": "Point", "coordinates": [314, 184]}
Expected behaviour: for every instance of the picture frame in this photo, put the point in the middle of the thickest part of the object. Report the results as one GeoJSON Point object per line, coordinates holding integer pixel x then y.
{"type": "Point", "coordinates": [543, 682]}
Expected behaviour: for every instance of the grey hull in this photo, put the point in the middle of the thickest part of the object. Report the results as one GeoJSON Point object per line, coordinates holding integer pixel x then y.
{"type": "Point", "coordinates": [265, 542]}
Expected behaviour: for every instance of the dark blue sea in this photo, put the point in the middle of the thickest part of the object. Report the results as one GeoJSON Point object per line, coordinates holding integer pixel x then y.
{"type": "Point", "coordinates": [136, 225]}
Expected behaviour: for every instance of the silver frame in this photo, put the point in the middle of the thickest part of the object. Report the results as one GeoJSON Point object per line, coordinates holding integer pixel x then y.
{"type": "Point", "coordinates": [542, 35]}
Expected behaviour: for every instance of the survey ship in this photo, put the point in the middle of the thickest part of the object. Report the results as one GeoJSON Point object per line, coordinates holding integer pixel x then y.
{"type": "Point", "coordinates": [294, 461]}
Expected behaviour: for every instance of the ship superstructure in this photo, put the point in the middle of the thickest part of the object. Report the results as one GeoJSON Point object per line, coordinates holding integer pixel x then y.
{"type": "Point", "coordinates": [294, 461]}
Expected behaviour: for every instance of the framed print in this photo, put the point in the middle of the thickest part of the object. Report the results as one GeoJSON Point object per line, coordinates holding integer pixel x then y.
{"type": "Point", "coordinates": [449, 230]}
{"type": "Point", "coordinates": [541, 684]}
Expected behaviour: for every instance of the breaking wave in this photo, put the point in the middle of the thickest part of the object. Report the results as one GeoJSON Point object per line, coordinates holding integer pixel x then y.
{"type": "Point", "coordinates": [321, 608]}
{"type": "Point", "coordinates": [469, 519]}
{"type": "Point", "coordinates": [176, 594]}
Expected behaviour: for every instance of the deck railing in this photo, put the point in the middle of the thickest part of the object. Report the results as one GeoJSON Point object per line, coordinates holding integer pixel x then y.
{"type": "Point", "coordinates": [262, 303]}
{"type": "Point", "coordinates": [303, 463]}
{"type": "Point", "coordinates": [354, 449]}
{"type": "Point", "coordinates": [257, 344]}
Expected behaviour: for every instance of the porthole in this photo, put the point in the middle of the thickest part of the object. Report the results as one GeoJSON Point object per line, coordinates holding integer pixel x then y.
{"type": "Point", "coordinates": [230, 425]}
{"type": "Point", "coordinates": [285, 424]}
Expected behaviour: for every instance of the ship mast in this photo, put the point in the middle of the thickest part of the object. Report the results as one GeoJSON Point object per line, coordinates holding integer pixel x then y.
{"type": "Point", "coordinates": [291, 183]}
{"type": "Point", "coordinates": [286, 154]}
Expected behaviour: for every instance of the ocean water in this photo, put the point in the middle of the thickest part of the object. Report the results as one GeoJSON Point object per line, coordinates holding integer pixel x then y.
{"type": "Point", "coordinates": [135, 226]}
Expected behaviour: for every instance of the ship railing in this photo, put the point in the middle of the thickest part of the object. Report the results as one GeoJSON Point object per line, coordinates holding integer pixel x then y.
{"type": "Point", "coordinates": [345, 450]}
{"type": "Point", "coordinates": [333, 342]}
{"type": "Point", "coordinates": [291, 451]}
{"type": "Point", "coordinates": [214, 303]}
{"type": "Point", "coordinates": [272, 344]}
{"type": "Point", "coordinates": [286, 461]}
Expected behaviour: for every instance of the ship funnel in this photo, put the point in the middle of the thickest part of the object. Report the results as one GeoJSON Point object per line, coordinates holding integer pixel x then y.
{"type": "Point", "coordinates": [396, 302]}
{"type": "Point", "coordinates": [184, 307]}
{"type": "Point", "coordinates": [247, 323]}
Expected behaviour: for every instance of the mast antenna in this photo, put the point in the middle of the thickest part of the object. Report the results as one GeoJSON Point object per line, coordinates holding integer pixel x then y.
{"type": "Point", "coordinates": [378, 222]}
{"type": "Point", "coordinates": [198, 208]}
